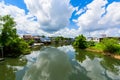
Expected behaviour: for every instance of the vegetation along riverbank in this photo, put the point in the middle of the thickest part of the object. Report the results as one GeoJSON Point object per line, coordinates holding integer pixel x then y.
{"type": "Point", "coordinates": [12, 45]}
{"type": "Point", "coordinates": [109, 47]}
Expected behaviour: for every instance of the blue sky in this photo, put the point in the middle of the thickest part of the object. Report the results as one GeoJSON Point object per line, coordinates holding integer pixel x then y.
{"type": "Point", "coordinates": [18, 3]}
{"type": "Point", "coordinates": [79, 17]}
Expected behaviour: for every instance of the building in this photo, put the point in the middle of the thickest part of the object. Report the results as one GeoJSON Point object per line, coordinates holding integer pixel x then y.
{"type": "Point", "coordinates": [27, 37]}
{"type": "Point", "coordinates": [95, 39]}
{"type": "Point", "coordinates": [36, 39]}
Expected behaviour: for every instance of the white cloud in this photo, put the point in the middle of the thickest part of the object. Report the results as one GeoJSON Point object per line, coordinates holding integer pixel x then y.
{"type": "Point", "coordinates": [67, 32]}
{"type": "Point", "coordinates": [52, 15]}
{"type": "Point", "coordinates": [10, 9]}
{"type": "Point", "coordinates": [89, 20]}
{"type": "Point", "coordinates": [112, 17]}
{"type": "Point", "coordinates": [25, 23]}
{"type": "Point", "coordinates": [95, 20]}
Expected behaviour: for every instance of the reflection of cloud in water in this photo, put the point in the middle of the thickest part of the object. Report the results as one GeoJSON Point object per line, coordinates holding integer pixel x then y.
{"type": "Point", "coordinates": [67, 48]}
{"type": "Point", "coordinates": [113, 76]}
{"type": "Point", "coordinates": [94, 69]}
{"type": "Point", "coordinates": [96, 72]}
{"type": "Point", "coordinates": [52, 64]}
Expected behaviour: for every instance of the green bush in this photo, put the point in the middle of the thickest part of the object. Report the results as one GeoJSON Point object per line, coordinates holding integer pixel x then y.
{"type": "Point", "coordinates": [30, 42]}
{"type": "Point", "coordinates": [90, 43]}
{"type": "Point", "coordinates": [111, 45]}
{"type": "Point", "coordinates": [16, 47]}
{"type": "Point", "coordinates": [80, 42]}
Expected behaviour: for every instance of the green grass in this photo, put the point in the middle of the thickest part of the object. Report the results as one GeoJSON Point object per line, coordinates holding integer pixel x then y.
{"type": "Point", "coordinates": [98, 46]}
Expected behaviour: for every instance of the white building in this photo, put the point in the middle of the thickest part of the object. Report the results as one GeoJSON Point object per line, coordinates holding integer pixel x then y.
{"type": "Point", "coordinates": [95, 39]}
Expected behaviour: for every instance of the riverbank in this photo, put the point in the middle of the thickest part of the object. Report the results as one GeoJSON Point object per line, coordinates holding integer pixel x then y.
{"type": "Point", "coordinates": [101, 52]}
{"type": "Point", "coordinates": [1, 59]}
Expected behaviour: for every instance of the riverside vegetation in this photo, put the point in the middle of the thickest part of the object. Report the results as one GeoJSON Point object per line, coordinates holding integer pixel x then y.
{"type": "Point", "coordinates": [106, 46]}
{"type": "Point", "coordinates": [13, 46]}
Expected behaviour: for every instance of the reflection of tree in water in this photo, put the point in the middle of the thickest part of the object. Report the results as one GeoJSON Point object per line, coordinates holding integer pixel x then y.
{"type": "Point", "coordinates": [9, 67]}
{"type": "Point", "coordinates": [107, 62]}
{"type": "Point", "coordinates": [82, 54]}
{"type": "Point", "coordinates": [110, 64]}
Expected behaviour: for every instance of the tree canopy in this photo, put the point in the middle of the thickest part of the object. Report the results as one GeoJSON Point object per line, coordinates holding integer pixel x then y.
{"type": "Point", "coordinates": [80, 42]}
{"type": "Point", "coordinates": [12, 45]}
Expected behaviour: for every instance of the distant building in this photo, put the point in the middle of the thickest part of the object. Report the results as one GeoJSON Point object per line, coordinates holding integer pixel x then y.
{"type": "Point", "coordinates": [27, 37]}
{"type": "Point", "coordinates": [95, 39]}
{"type": "Point", "coordinates": [36, 39]}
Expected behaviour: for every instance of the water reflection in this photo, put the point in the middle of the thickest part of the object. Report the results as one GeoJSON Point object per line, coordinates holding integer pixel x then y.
{"type": "Point", "coordinates": [61, 63]}
{"type": "Point", "coordinates": [112, 67]}
{"type": "Point", "coordinates": [81, 55]}
{"type": "Point", "coordinates": [68, 63]}
{"type": "Point", "coordinates": [110, 64]}
{"type": "Point", "coordinates": [78, 72]}
{"type": "Point", "coordinates": [98, 66]}
{"type": "Point", "coordinates": [9, 67]}
{"type": "Point", "coordinates": [52, 64]}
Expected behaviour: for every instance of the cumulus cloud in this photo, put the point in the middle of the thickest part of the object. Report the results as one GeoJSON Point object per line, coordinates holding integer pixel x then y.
{"type": "Point", "coordinates": [99, 18]}
{"type": "Point", "coordinates": [89, 20]}
{"type": "Point", "coordinates": [52, 15]}
{"type": "Point", "coordinates": [51, 18]}
{"type": "Point", "coordinates": [25, 23]}
{"type": "Point", "coordinates": [112, 17]}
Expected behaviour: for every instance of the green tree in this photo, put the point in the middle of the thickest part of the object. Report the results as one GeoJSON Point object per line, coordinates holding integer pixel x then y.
{"type": "Point", "coordinates": [13, 46]}
{"type": "Point", "coordinates": [30, 42]}
{"type": "Point", "coordinates": [59, 39]}
{"type": "Point", "coordinates": [8, 31]}
{"type": "Point", "coordinates": [110, 45]}
{"type": "Point", "coordinates": [80, 42]}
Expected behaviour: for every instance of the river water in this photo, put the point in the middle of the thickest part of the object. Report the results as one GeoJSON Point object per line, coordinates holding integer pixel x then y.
{"type": "Point", "coordinates": [60, 63]}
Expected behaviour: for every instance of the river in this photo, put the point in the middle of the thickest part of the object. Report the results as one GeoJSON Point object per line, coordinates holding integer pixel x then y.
{"type": "Point", "coordinates": [60, 63]}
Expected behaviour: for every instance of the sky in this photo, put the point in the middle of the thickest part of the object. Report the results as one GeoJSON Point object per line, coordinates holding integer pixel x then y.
{"type": "Point", "coordinates": [68, 18]}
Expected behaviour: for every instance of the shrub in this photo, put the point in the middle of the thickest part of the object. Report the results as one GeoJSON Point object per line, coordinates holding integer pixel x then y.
{"type": "Point", "coordinates": [80, 42]}
{"type": "Point", "coordinates": [90, 43]}
{"type": "Point", "coordinates": [16, 47]}
{"type": "Point", "coordinates": [110, 45]}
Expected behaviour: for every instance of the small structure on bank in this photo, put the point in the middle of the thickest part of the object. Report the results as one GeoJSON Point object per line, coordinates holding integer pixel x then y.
{"type": "Point", "coordinates": [1, 53]}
